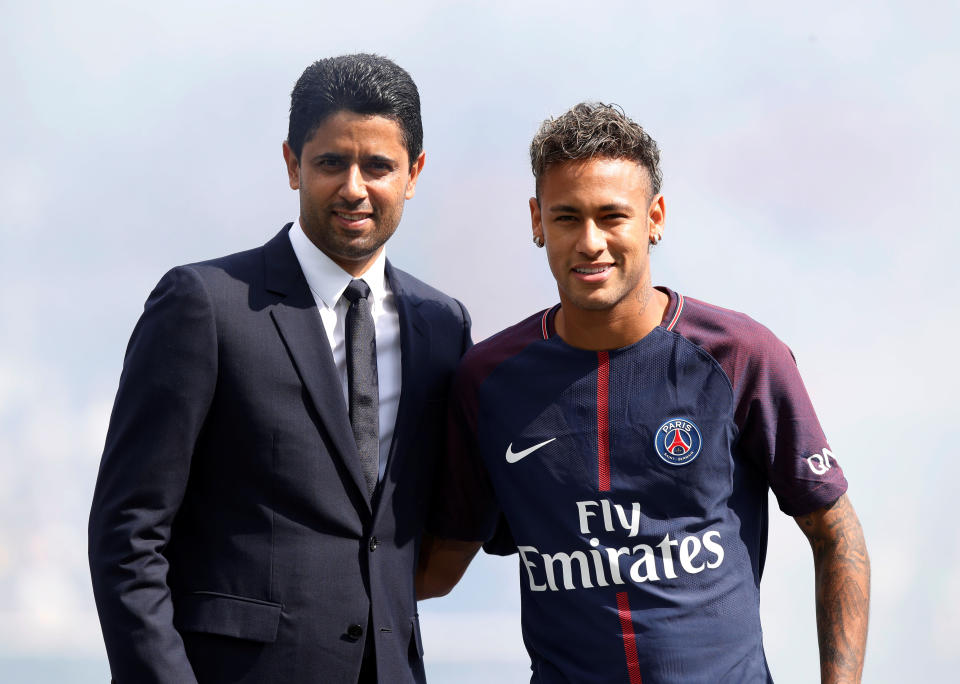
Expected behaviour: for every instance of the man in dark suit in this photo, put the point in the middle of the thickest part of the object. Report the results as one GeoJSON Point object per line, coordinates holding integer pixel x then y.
{"type": "Point", "coordinates": [258, 510]}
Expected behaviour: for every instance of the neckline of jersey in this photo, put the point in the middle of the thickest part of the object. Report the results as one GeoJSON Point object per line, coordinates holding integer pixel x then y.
{"type": "Point", "coordinates": [670, 317]}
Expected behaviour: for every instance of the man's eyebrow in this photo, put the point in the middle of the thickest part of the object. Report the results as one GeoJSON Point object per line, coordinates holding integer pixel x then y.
{"type": "Point", "coordinates": [570, 209]}
{"type": "Point", "coordinates": [380, 158]}
{"type": "Point", "coordinates": [333, 156]}
{"type": "Point", "coordinates": [616, 206]}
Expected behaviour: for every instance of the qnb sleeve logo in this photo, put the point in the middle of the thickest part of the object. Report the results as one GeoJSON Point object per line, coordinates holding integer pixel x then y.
{"type": "Point", "coordinates": [821, 463]}
{"type": "Point", "coordinates": [678, 441]}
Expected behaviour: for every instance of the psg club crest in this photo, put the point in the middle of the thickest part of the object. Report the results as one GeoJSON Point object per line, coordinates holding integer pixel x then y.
{"type": "Point", "coordinates": [678, 441]}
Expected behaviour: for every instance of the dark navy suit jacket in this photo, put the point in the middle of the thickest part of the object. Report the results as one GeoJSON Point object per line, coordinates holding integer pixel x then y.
{"type": "Point", "coordinates": [230, 536]}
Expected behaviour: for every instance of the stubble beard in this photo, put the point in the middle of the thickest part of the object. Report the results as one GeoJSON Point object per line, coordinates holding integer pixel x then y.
{"type": "Point", "coordinates": [644, 295]}
{"type": "Point", "coordinates": [326, 235]}
{"type": "Point", "coordinates": [588, 303]}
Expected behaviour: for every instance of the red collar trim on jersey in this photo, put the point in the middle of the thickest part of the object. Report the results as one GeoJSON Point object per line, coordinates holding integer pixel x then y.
{"type": "Point", "coordinates": [546, 321]}
{"type": "Point", "coordinates": [676, 316]}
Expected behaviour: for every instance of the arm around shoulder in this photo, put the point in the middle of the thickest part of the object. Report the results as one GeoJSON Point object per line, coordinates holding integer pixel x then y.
{"type": "Point", "coordinates": [443, 562]}
{"type": "Point", "coordinates": [842, 576]}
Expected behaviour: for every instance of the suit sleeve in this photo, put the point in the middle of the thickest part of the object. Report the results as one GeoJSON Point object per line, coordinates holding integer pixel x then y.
{"type": "Point", "coordinates": [167, 383]}
{"type": "Point", "coordinates": [467, 323]}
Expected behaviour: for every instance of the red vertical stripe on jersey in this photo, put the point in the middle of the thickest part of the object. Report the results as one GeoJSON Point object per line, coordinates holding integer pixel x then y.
{"type": "Point", "coordinates": [629, 638]}
{"type": "Point", "coordinates": [603, 421]}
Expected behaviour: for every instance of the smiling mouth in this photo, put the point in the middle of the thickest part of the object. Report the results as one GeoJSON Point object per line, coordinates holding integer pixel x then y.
{"type": "Point", "coordinates": [592, 270]}
{"type": "Point", "coordinates": [352, 217]}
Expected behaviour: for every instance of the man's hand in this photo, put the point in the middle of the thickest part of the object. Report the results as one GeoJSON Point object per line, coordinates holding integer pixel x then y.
{"type": "Point", "coordinates": [842, 569]}
{"type": "Point", "coordinates": [442, 564]}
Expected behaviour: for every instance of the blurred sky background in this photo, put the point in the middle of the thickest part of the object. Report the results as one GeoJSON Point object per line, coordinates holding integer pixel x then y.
{"type": "Point", "coordinates": [810, 158]}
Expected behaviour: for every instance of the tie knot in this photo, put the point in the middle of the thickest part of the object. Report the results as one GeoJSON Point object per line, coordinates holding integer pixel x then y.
{"type": "Point", "coordinates": [357, 289]}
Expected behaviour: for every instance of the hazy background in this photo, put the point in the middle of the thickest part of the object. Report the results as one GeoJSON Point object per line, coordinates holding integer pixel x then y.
{"type": "Point", "coordinates": [810, 160]}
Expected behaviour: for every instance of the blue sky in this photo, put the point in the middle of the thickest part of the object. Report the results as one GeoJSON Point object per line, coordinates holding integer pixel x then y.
{"type": "Point", "coordinates": [809, 159]}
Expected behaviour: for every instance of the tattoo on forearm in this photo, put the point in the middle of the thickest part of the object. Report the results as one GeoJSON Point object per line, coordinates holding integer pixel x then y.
{"type": "Point", "coordinates": [842, 568]}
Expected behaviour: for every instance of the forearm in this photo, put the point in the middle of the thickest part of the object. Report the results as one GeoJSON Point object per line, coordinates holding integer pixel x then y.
{"type": "Point", "coordinates": [134, 603]}
{"type": "Point", "coordinates": [441, 565]}
{"type": "Point", "coordinates": [129, 578]}
{"type": "Point", "coordinates": [842, 569]}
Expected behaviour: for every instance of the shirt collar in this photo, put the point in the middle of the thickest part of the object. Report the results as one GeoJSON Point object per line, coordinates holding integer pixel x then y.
{"type": "Point", "coordinates": [325, 278]}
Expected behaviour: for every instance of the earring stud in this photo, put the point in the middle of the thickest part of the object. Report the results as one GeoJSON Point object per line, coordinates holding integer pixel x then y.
{"type": "Point", "coordinates": [538, 241]}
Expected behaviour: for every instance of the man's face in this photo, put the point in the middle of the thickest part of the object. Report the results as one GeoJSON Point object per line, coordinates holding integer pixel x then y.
{"type": "Point", "coordinates": [353, 176]}
{"type": "Point", "coordinates": [596, 219]}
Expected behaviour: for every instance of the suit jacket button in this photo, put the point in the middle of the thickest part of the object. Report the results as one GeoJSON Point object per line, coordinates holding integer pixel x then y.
{"type": "Point", "coordinates": [355, 631]}
{"type": "Point", "coordinates": [374, 543]}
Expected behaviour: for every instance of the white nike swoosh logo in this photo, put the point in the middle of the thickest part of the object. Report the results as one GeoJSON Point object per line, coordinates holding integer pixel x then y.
{"type": "Point", "coordinates": [513, 457]}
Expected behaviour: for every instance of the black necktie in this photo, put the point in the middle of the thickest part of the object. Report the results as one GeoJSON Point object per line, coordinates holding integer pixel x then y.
{"type": "Point", "coordinates": [363, 390]}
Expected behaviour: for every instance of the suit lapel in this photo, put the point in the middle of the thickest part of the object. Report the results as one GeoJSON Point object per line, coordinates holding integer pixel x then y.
{"type": "Point", "coordinates": [299, 324]}
{"type": "Point", "coordinates": [414, 356]}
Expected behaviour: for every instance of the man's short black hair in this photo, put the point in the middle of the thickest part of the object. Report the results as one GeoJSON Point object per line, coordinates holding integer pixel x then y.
{"type": "Point", "coordinates": [361, 83]}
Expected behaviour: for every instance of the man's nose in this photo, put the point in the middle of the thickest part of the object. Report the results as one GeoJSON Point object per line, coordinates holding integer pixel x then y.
{"type": "Point", "coordinates": [353, 188]}
{"type": "Point", "coordinates": [592, 240]}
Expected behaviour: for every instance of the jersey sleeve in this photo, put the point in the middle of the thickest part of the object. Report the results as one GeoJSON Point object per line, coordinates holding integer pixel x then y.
{"type": "Point", "coordinates": [780, 430]}
{"type": "Point", "coordinates": [464, 506]}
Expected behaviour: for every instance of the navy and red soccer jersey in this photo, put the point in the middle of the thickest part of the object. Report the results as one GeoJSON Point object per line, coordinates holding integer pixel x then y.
{"type": "Point", "coordinates": [634, 485]}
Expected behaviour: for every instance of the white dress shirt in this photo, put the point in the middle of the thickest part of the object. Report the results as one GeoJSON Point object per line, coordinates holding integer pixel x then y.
{"type": "Point", "coordinates": [327, 282]}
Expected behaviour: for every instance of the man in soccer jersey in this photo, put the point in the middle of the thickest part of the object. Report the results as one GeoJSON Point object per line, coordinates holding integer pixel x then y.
{"type": "Point", "coordinates": [622, 443]}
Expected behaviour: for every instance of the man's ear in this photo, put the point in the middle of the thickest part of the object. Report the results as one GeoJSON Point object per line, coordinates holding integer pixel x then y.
{"type": "Point", "coordinates": [536, 221]}
{"type": "Point", "coordinates": [415, 170]}
{"type": "Point", "coordinates": [293, 166]}
{"type": "Point", "coordinates": [656, 217]}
